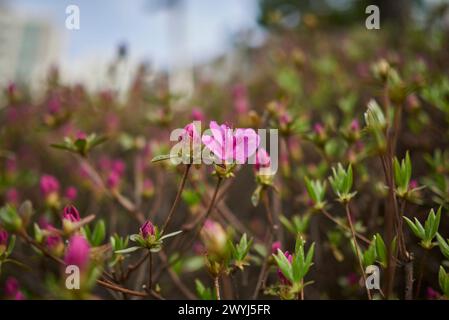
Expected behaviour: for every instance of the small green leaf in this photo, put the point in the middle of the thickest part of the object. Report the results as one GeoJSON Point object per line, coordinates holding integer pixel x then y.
{"type": "Point", "coordinates": [128, 250]}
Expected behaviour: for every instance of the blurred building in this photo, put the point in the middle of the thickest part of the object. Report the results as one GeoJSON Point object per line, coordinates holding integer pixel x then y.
{"type": "Point", "coordinates": [28, 47]}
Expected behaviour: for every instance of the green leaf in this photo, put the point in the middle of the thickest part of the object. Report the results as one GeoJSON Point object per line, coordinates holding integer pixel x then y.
{"type": "Point", "coordinates": [98, 233]}
{"type": "Point", "coordinates": [161, 157]}
{"type": "Point", "coordinates": [128, 250]}
{"type": "Point", "coordinates": [12, 242]}
{"type": "Point", "coordinates": [444, 245]}
{"type": "Point", "coordinates": [284, 265]}
{"type": "Point", "coordinates": [381, 250]}
{"type": "Point", "coordinates": [169, 235]}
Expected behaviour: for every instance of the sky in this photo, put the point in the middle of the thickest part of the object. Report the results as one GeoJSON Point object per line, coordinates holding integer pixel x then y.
{"type": "Point", "coordinates": [205, 25]}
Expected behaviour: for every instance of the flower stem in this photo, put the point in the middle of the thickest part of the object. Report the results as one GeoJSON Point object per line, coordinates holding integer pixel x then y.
{"type": "Point", "coordinates": [217, 287]}
{"type": "Point", "coordinates": [354, 238]}
{"type": "Point", "coordinates": [150, 271]}
{"type": "Point", "coordinates": [177, 198]}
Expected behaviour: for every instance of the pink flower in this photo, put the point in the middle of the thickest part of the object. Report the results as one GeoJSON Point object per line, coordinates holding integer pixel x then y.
{"type": "Point", "coordinates": [352, 279]}
{"type": "Point", "coordinates": [118, 166]}
{"type": "Point", "coordinates": [49, 185]}
{"type": "Point", "coordinates": [229, 146]}
{"type": "Point", "coordinates": [275, 247]}
{"type": "Point", "coordinates": [12, 196]}
{"type": "Point", "coordinates": [81, 135]}
{"type": "Point", "coordinates": [355, 126]}
{"type": "Point", "coordinates": [241, 103]}
{"type": "Point", "coordinates": [281, 276]}
{"type": "Point", "coordinates": [3, 237]}
{"type": "Point", "coordinates": [113, 180]}
{"type": "Point", "coordinates": [12, 290]}
{"type": "Point", "coordinates": [432, 294]}
{"type": "Point", "coordinates": [413, 184]}
{"type": "Point", "coordinates": [71, 193]}
{"type": "Point", "coordinates": [197, 114]}
{"type": "Point", "coordinates": [52, 241]}
{"type": "Point", "coordinates": [77, 252]}
{"type": "Point", "coordinates": [71, 213]}
{"type": "Point", "coordinates": [54, 104]}
{"type": "Point", "coordinates": [147, 229]}
{"type": "Point", "coordinates": [263, 159]}
{"type": "Point", "coordinates": [148, 187]}
{"type": "Point", "coordinates": [318, 128]}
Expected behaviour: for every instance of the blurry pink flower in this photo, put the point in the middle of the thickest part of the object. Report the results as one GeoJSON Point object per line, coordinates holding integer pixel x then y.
{"type": "Point", "coordinates": [113, 180]}
{"type": "Point", "coordinates": [148, 187]}
{"type": "Point", "coordinates": [147, 229]}
{"type": "Point", "coordinates": [12, 89]}
{"type": "Point", "coordinates": [432, 294]}
{"type": "Point", "coordinates": [71, 213]}
{"type": "Point", "coordinates": [12, 290]}
{"type": "Point", "coordinates": [240, 96]}
{"type": "Point", "coordinates": [281, 276]}
{"type": "Point", "coordinates": [3, 237]}
{"type": "Point", "coordinates": [355, 126]}
{"type": "Point", "coordinates": [77, 252]}
{"type": "Point", "coordinates": [230, 146]}
{"type": "Point", "coordinates": [71, 193]}
{"type": "Point", "coordinates": [285, 119]}
{"type": "Point", "coordinates": [81, 135]}
{"type": "Point", "coordinates": [54, 104]}
{"type": "Point", "coordinates": [318, 129]}
{"type": "Point", "coordinates": [49, 184]}
{"type": "Point", "coordinates": [275, 247]}
{"type": "Point", "coordinates": [11, 166]}
{"type": "Point", "coordinates": [12, 196]}
{"type": "Point", "coordinates": [53, 241]}
{"type": "Point", "coordinates": [118, 166]}
{"type": "Point", "coordinates": [413, 184]}
{"type": "Point", "coordinates": [263, 159]}
{"type": "Point", "coordinates": [352, 279]}
{"type": "Point", "coordinates": [197, 115]}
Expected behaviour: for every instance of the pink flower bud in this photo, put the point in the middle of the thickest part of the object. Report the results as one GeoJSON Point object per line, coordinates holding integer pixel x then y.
{"type": "Point", "coordinates": [53, 241]}
{"type": "Point", "coordinates": [413, 184]}
{"type": "Point", "coordinates": [49, 185]}
{"type": "Point", "coordinates": [118, 166]}
{"type": "Point", "coordinates": [197, 115]}
{"type": "Point", "coordinates": [318, 129]}
{"type": "Point", "coordinates": [12, 290]}
{"type": "Point", "coordinates": [71, 213]}
{"type": "Point", "coordinates": [71, 193]}
{"type": "Point", "coordinates": [54, 104]}
{"type": "Point", "coordinates": [3, 237]}
{"type": "Point", "coordinates": [214, 237]}
{"type": "Point", "coordinates": [263, 159]}
{"type": "Point", "coordinates": [81, 135]}
{"type": "Point", "coordinates": [355, 126]}
{"type": "Point", "coordinates": [12, 196]}
{"type": "Point", "coordinates": [147, 229]}
{"type": "Point", "coordinates": [275, 247]}
{"type": "Point", "coordinates": [432, 294]}
{"type": "Point", "coordinates": [77, 252]}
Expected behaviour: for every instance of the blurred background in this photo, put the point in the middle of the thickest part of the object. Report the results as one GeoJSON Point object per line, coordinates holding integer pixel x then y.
{"type": "Point", "coordinates": [174, 38]}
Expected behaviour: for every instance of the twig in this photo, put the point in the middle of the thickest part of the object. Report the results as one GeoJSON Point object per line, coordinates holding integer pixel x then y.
{"type": "Point", "coordinates": [177, 198]}
{"type": "Point", "coordinates": [354, 238]}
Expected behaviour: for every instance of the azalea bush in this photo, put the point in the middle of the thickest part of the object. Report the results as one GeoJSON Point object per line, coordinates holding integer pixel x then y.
{"type": "Point", "coordinates": [159, 196]}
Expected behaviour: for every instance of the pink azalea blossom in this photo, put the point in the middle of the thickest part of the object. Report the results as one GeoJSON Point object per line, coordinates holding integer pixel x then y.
{"type": "Point", "coordinates": [77, 252]}
{"type": "Point", "coordinates": [229, 146]}
{"type": "Point", "coordinates": [71, 213]}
